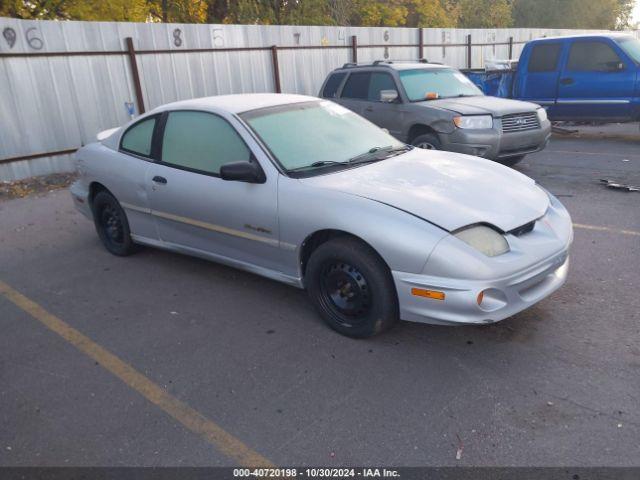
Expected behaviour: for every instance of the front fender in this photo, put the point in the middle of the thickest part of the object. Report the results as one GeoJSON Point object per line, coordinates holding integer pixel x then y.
{"type": "Point", "coordinates": [403, 240]}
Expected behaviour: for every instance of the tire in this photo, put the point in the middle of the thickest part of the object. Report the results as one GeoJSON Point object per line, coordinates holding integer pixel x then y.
{"type": "Point", "coordinates": [112, 224]}
{"type": "Point", "coordinates": [352, 288]}
{"type": "Point", "coordinates": [428, 141]}
{"type": "Point", "coordinates": [511, 161]}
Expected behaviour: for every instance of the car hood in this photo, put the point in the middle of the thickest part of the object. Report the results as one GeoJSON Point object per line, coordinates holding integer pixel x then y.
{"type": "Point", "coordinates": [447, 189]}
{"type": "Point", "coordinates": [482, 105]}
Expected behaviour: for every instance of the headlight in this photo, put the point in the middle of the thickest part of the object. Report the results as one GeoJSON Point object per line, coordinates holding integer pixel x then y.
{"type": "Point", "coordinates": [484, 239]}
{"type": "Point", "coordinates": [474, 121]}
{"type": "Point", "coordinates": [542, 114]}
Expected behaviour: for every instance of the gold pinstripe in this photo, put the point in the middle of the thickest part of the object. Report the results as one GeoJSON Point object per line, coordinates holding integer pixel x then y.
{"type": "Point", "coordinates": [207, 226]}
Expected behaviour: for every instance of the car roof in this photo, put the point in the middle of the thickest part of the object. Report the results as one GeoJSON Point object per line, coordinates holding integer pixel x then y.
{"type": "Point", "coordinates": [405, 65]}
{"type": "Point", "coordinates": [611, 35]}
{"type": "Point", "coordinates": [237, 103]}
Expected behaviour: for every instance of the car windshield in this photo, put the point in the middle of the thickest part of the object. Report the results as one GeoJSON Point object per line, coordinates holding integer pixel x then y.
{"type": "Point", "coordinates": [317, 134]}
{"type": "Point", "coordinates": [429, 84]}
{"type": "Point", "coordinates": [631, 46]}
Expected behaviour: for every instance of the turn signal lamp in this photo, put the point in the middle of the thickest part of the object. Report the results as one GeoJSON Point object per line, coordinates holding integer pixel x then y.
{"type": "Point", "coordinates": [421, 292]}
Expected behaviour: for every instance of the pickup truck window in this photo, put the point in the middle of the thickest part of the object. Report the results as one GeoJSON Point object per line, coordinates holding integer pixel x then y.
{"type": "Point", "coordinates": [592, 57]}
{"type": "Point", "coordinates": [444, 82]}
{"type": "Point", "coordinates": [544, 57]}
{"type": "Point", "coordinates": [357, 86]}
{"type": "Point", "coordinates": [631, 46]}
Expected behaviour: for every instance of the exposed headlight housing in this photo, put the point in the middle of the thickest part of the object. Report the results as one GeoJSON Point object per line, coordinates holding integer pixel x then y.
{"type": "Point", "coordinates": [542, 115]}
{"type": "Point", "coordinates": [484, 239]}
{"type": "Point", "coordinates": [474, 121]}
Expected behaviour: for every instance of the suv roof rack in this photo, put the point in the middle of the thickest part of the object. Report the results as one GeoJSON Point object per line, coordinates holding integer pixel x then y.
{"type": "Point", "coordinates": [380, 62]}
{"type": "Point", "coordinates": [349, 65]}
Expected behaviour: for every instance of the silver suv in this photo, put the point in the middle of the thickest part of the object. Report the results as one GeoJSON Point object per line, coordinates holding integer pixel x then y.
{"type": "Point", "coordinates": [437, 107]}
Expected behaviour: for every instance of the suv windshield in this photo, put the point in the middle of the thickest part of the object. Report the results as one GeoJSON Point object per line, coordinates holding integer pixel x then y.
{"type": "Point", "coordinates": [631, 46]}
{"type": "Point", "coordinates": [428, 84]}
{"type": "Point", "coordinates": [319, 134]}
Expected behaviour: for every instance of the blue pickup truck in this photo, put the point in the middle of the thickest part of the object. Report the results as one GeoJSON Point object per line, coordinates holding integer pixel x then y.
{"type": "Point", "coordinates": [579, 78]}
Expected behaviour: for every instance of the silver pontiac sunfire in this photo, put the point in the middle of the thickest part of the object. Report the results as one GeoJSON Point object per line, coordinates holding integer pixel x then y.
{"type": "Point", "coordinates": [306, 192]}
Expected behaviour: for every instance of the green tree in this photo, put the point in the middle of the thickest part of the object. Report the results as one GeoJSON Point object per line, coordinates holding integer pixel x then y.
{"type": "Point", "coordinates": [34, 9]}
{"type": "Point", "coordinates": [381, 13]}
{"type": "Point", "coordinates": [485, 13]}
{"type": "Point", "coordinates": [178, 11]}
{"type": "Point", "coordinates": [586, 14]}
{"type": "Point", "coordinates": [432, 13]}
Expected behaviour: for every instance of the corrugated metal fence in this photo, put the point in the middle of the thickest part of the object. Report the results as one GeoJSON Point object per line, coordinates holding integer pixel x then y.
{"type": "Point", "coordinates": [62, 82]}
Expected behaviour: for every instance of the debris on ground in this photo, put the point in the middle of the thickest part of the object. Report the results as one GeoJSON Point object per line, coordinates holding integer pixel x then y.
{"type": "Point", "coordinates": [619, 186]}
{"type": "Point", "coordinates": [460, 448]}
{"type": "Point", "coordinates": [564, 131]}
{"type": "Point", "coordinates": [35, 185]}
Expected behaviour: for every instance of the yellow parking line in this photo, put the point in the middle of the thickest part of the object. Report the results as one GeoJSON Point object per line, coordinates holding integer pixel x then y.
{"type": "Point", "coordinates": [226, 443]}
{"type": "Point", "coordinates": [606, 229]}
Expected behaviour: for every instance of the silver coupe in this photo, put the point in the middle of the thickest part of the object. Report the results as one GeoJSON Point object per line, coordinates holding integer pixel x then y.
{"type": "Point", "coordinates": [306, 192]}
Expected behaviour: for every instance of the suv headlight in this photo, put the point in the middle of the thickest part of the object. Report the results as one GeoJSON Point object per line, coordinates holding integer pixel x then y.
{"type": "Point", "coordinates": [542, 114]}
{"type": "Point", "coordinates": [484, 239]}
{"type": "Point", "coordinates": [474, 121]}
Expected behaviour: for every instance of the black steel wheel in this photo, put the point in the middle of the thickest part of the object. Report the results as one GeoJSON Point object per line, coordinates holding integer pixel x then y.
{"type": "Point", "coordinates": [111, 224]}
{"type": "Point", "coordinates": [351, 287]}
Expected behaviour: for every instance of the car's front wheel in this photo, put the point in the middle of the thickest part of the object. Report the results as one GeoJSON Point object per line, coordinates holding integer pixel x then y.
{"type": "Point", "coordinates": [427, 141]}
{"type": "Point", "coordinates": [112, 225]}
{"type": "Point", "coordinates": [352, 288]}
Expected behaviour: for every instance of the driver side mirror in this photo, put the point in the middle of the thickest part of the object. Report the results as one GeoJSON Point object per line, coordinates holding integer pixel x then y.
{"type": "Point", "coordinates": [246, 171]}
{"type": "Point", "coordinates": [388, 96]}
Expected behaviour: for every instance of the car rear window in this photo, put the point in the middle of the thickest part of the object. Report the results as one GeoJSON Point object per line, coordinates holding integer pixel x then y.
{"type": "Point", "coordinates": [137, 139]}
{"type": "Point", "coordinates": [544, 57]}
{"type": "Point", "coordinates": [331, 87]}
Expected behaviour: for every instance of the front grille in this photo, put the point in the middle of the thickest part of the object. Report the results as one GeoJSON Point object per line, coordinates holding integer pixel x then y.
{"type": "Point", "coordinates": [521, 230]}
{"type": "Point", "coordinates": [519, 122]}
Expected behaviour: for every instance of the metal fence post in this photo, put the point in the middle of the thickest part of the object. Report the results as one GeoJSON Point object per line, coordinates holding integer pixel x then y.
{"type": "Point", "coordinates": [420, 44]}
{"type": "Point", "coordinates": [469, 51]}
{"type": "Point", "coordinates": [135, 74]}
{"type": "Point", "coordinates": [354, 48]}
{"type": "Point", "coordinates": [510, 47]}
{"type": "Point", "coordinates": [276, 68]}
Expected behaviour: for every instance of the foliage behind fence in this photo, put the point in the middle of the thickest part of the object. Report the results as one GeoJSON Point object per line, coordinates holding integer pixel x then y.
{"type": "Point", "coordinates": [62, 82]}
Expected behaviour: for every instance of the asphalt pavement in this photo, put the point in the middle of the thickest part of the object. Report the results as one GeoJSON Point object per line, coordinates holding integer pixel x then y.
{"type": "Point", "coordinates": [207, 361]}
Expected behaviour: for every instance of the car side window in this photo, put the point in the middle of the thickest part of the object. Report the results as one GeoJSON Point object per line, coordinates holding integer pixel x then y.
{"type": "Point", "coordinates": [380, 81]}
{"type": "Point", "coordinates": [592, 57]}
{"type": "Point", "coordinates": [332, 85]}
{"type": "Point", "coordinates": [201, 141]}
{"type": "Point", "coordinates": [137, 139]}
{"type": "Point", "coordinates": [357, 86]}
{"type": "Point", "coordinates": [544, 57]}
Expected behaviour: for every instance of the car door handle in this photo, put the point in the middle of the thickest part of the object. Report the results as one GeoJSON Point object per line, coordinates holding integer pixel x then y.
{"type": "Point", "coordinates": [566, 81]}
{"type": "Point", "coordinates": [159, 179]}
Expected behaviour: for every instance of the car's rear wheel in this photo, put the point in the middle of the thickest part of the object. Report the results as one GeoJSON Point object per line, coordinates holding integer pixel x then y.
{"type": "Point", "coordinates": [427, 141]}
{"type": "Point", "coordinates": [352, 288]}
{"type": "Point", "coordinates": [112, 224]}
